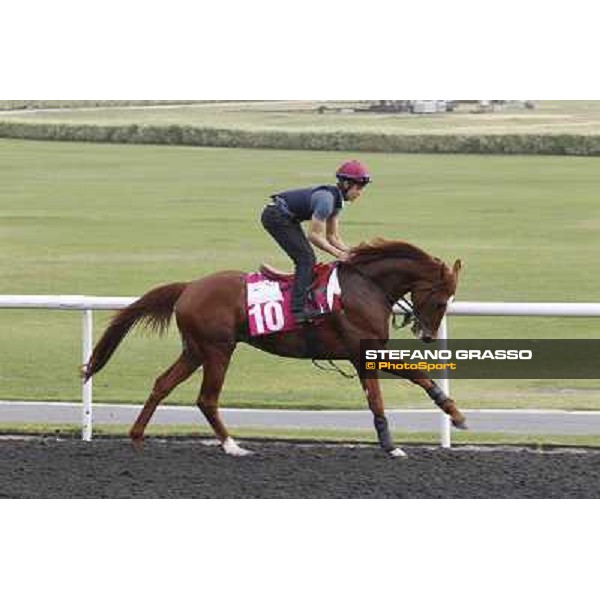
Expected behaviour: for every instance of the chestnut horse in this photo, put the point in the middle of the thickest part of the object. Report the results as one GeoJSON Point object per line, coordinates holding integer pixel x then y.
{"type": "Point", "coordinates": [211, 317]}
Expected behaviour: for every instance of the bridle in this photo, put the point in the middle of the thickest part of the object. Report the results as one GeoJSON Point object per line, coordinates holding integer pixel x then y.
{"type": "Point", "coordinates": [410, 312]}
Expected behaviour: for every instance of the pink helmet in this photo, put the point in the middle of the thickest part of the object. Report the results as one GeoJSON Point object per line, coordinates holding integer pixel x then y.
{"type": "Point", "coordinates": [353, 170]}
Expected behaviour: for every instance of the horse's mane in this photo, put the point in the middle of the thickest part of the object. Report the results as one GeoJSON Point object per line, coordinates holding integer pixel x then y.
{"type": "Point", "coordinates": [380, 248]}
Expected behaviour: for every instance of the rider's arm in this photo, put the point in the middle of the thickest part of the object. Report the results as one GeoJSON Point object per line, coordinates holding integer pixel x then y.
{"type": "Point", "coordinates": [333, 236]}
{"type": "Point", "coordinates": [317, 234]}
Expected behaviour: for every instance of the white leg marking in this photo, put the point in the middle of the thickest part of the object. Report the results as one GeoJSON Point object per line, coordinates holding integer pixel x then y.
{"type": "Point", "coordinates": [231, 447]}
{"type": "Point", "coordinates": [398, 453]}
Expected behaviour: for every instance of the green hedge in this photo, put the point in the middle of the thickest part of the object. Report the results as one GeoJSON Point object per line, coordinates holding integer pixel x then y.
{"type": "Point", "coordinates": [561, 144]}
{"type": "Point", "coordinates": [45, 104]}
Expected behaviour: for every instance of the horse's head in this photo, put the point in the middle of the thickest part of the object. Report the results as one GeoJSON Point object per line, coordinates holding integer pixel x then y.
{"type": "Point", "coordinates": [397, 267]}
{"type": "Point", "coordinates": [430, 296]}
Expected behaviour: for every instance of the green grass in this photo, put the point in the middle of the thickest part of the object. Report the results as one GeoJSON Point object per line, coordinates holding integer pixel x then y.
{"type": "Point", "coordinates": [581, 117]}
{"type": "Point", "coordinates": [322, 435]}
{"type": "Point", "coordinates": [118, 220]}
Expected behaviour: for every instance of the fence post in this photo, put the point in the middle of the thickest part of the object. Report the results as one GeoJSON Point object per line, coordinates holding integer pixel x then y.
{"type": "Point", "coordinates": [444, 383]}
{"type": "Point", "coordinates": [86, 392]}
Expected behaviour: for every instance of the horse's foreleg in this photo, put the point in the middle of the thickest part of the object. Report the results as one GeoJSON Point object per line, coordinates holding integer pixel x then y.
{"type": "Point", "coordinates": [444, 402]}
{"type": "Point", "coordinates": [215, 368]}
{"type": "Point", "coordinates": [372, 390]}
{"type": "Point", "coordinates": [435, 392]}
{"type": "Point", "coordinates": [179, 371]}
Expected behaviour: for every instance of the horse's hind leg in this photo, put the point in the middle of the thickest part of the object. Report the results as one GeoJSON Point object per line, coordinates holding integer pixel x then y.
{"type": "Point", "coordinates": [178, 372]}
{"type": "Point", "coordinates": [214, 369]}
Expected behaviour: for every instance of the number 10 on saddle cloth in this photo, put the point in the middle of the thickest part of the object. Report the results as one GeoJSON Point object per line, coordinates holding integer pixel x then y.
{"type": "Point", "coordinates": [268, 301]}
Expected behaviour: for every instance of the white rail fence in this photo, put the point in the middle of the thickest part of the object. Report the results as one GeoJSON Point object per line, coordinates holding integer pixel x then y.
{"type": "Point", "coordinates": [87, 304]}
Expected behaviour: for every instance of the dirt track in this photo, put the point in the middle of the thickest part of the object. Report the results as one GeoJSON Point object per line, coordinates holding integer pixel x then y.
{"type": "Point", "coordinates": [36, 468]}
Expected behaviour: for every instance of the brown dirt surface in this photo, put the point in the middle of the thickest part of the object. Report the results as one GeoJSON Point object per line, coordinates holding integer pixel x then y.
{"type": "Point", "coordinates": [168, 468]}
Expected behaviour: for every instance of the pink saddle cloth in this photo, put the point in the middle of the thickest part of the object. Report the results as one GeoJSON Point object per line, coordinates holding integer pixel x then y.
{"type": "Point", "coordinates": [269, 298]}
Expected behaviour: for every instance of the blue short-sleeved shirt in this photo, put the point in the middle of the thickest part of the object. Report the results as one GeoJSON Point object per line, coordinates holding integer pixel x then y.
{"type": "Point", "coordinates": [323, 204]}
{"type": "Point", "coordinates": [320, 202]}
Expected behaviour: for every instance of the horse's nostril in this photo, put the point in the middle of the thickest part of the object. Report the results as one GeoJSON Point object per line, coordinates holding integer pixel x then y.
{"type": "Point", "coordinates": [427, 339]}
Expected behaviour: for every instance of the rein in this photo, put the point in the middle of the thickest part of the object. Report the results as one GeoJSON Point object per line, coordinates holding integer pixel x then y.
{"type": "Point", "coordinates": [333, 367]}
{"type": "Point", "coordinates": [410, 314]}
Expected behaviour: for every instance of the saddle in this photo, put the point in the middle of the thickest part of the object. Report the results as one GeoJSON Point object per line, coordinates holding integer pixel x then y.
{"type": "Point", "coordinates": [269, 292]}
{"type": "Point", "coordinates": [275, 274]}
{"type": "Point", "coordinates": [321, 272]}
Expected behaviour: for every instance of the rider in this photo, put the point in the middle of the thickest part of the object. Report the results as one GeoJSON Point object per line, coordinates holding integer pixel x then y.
{"type": "Point", "coordinates": [320, 206]}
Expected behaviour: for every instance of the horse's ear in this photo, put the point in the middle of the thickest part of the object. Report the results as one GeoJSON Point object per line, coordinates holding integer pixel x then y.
{"type": "Point", "coordinates": [457, 267]}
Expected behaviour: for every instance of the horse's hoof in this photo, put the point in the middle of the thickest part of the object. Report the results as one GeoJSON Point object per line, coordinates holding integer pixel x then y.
{"type": "Point", "coordinates": [137, 443]}
{"type": "Point", "coordinates": [82, 371]}
{"type": "Point", "coordinates": [397, 453]}
{"type": "Point", "coordinates": [462, 424]}
{"type": "Point", "coordinates": [238, 452]}
{"type": "Point", "coordinates": [230, 447]}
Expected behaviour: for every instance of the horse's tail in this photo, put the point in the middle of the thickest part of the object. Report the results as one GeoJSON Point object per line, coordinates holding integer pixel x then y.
{"type": "Point", "coordinates": [153, 309]}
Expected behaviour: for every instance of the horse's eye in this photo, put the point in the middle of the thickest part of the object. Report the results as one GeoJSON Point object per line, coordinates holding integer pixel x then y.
{"type": "Point", "coordinates": [441, 305]}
